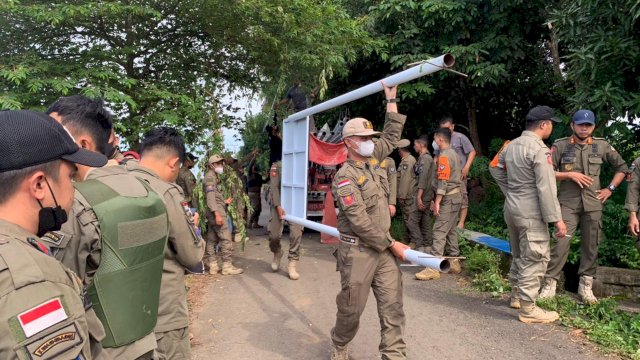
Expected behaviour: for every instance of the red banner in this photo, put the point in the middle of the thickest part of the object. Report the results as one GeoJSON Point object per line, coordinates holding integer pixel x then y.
{"type": "Point", "coordinates": [324, 153]}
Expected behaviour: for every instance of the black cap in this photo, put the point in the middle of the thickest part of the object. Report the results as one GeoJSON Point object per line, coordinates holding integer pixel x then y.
{"type": "Point", "coordinates": [29, 138]}
{"type": "Point", "coordinates": [191, 157]}
{"type": "Point", "coordinates": [542, 113]}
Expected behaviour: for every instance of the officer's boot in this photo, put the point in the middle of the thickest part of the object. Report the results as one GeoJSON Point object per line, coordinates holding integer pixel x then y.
{"type": "Point", "coordinates": [428, 274]}
{"type": "Point", "coordinates": [339, 352]}
{"type": "Point", "coordinates": [531, 314]}
{"type": "Point", "coordinates": [213, 267]}
{"type": "Point", "coordinates": [455, 267]}
{"type": "Point", "coordinates": [275, 263]}
{"type": "Point", "coordinates": [514, 302]}
{"type": "Point", "coordinates": [229, 269]}
{"type": "Point", "coordinates": [584, 290]}
{"type": "Point", "coordinates": [549, 288]}
{"type": "Point", "coordinates": [293, 270]}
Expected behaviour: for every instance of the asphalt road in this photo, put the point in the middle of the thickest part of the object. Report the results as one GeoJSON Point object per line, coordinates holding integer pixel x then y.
{"type": "Point", "coordinates": [264, 315]}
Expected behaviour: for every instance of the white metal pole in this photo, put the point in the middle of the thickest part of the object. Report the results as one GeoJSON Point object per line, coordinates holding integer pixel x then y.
{"type": "Point", "coordinates": [428, 67]}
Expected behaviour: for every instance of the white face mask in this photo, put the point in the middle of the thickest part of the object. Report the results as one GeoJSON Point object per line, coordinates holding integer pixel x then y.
{"type": "Point", "coordinates": [365, 148]}
{"type": "Point", "coordinates": [218, 170]}
{"type": "Point", "coordinates": [435, 146]}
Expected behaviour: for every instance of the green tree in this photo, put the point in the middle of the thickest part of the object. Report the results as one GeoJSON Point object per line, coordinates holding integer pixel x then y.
{"type": "Point", "coordinates": [599, 45]}
{"type": "Point", "coordinates": [501, 45]}
{"type": "Point", "coordinates": [168, 62]}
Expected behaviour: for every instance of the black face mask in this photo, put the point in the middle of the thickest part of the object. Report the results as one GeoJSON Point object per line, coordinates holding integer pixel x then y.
{"type": "Point", "coordinates": [50, 218]}
{"type": "Point", "coordinates": [110, 150]}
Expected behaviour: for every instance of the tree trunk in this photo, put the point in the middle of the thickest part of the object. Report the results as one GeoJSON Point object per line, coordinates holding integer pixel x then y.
{"type": "Point", "coordinates": [473, 122]}
{"type": "Point", "coordinates": [555, 54]}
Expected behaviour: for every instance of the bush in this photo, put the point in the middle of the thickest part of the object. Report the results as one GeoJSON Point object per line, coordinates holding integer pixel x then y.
{"type": "Point", "coordinates": [603, 323]}
{"type": "Point", "coordinates": [484, 267]}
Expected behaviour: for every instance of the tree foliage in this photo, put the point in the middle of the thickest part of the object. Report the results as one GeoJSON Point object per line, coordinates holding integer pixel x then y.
{"type": "Point", "coordinates": [168, 62]}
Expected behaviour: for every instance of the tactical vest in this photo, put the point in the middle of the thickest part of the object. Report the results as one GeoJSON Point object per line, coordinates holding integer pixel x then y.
{"type": "Point", "coordinates": [125, 289]}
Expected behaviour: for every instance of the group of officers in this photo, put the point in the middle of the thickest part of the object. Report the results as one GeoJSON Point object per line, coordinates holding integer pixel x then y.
{"type": "Point", "coordinates": [560, 186]}
{"type": "Point", "coordinates": [94, 268]}
{"type": "Point", "coordinates": [94, 243]}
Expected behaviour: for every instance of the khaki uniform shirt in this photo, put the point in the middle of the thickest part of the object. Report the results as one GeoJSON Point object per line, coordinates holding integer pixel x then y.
{"type": "Point", "coordinates": [78, 246]}
{"type": "Point", "coordinates": [426, 170]}
{"type": "Point", "coordinates": [568, 155]}
{"type": "Point", "coordinates": [530, 179]}
{"type": "Point", "coordinates": [214, 195]}
{"type": "Point", "coordinates": [361, 190]}
{"type": "Point", "coordinates": [406, 177]}
{"type": "Point", "coordinates": [390, 165]}
{"type": "Point", "coordinates": [41, 303]}
{"type": "Point", "coordinates": [187, 181]}
{"type": "Point", "coordinates": [633, 188]}
{"type": "Point", "coordinates": [449, 176]}
{"type": "Point", "coordinates": [184, 249]}
{"type": "Point", "coordinates": [274, 183]}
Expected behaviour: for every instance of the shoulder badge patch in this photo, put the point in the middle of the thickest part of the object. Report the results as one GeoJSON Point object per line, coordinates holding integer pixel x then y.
{"type": "Point", "coordinates": [444, 168]}
{"type": "Point", "coordinates": [348, 200]}
{"type": "Point", "coordinates": [42, 316]}
{"type": "Point", "coordinates": [47, 347]}
{"type": "Point", "coordinates": [344, 183]}
{"type": "Point", "coordinates": [53, 237]}
{"type": "Point", "coordinates": [209, 188]}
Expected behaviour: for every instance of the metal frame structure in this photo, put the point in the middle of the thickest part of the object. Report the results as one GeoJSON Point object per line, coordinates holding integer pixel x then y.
{"type": "Point", "coordinates": [295, 141]}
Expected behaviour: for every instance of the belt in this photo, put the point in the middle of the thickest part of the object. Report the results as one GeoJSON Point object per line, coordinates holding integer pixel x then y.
{"type": "Point", "coordinates": [454, 191]}
{"type": "Point", "coordinates": [350, 239]}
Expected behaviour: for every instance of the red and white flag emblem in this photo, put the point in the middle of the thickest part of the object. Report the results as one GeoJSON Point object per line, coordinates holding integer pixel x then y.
{"type": "Point", "coordinates": [42, 316]}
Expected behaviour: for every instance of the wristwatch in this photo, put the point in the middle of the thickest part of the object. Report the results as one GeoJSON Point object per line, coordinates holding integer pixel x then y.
{"type": "Point", "coordinates": [394, 100]}
{"type": "Point", "coordinates": [611, 187]}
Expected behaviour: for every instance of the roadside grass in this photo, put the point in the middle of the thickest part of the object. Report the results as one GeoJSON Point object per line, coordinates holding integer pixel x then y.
{"type": "Point", "coordinates": [603, 323]}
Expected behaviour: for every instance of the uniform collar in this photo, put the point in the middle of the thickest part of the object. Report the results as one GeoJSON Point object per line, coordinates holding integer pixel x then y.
{"type": "Point", "coordinates": [14, 231]}
{"type": "Point", "coordinates": [357, 163]}
{"type": "Point", "coordinates": [574, 140]}
{"type": "Point", "coordinates": [531, 134]}
{"type": "Point", "coordinates": [142, 169]}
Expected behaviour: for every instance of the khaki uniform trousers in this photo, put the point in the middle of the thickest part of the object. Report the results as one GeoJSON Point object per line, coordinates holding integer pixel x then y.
{"type": "Point", "coordinates": [406, 207]}
{"type": "Point", "coordinates": [465, 194]}
{"type": "Point", "coordinates": [173, 344]}
{"type": "Point", "coordinates": [242, 213]}
{"type": "Point", "coordinates": [218, 235]}
{"type": "Point", "coordinates": [445, 237]}
{"type": "Point", "coordinates": [362, 269]}
{"type": "Point", "coordinates": [529, 241]}
{"type": "Point", "coordinates": [421, 224]}
{"type": "Point", "coordinates": [256, 205]}
{"type": "Point", "coordinates": [276, 225]}
{"type": "Point", "coordinates": [590, 223]}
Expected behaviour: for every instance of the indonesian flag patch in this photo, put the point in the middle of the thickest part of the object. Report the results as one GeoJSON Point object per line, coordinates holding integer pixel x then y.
{"type": "Point", "coordinates": [42, 316]}
{"type": "Point", "coordinates": [344, 183]}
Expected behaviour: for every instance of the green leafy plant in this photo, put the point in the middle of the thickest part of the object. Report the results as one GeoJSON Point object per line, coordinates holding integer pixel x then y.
{"type": "Point", "coordinates": [603, 323]}
{"type": "Point", "coordinates": [484, 267]}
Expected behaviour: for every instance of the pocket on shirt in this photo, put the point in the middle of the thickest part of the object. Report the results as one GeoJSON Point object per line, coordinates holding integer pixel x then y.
{"type": "Point", "coordinates": [595, 164]}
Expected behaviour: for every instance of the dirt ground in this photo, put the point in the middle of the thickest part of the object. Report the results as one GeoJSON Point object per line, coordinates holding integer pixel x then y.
{"type": "Point", "coordinates": [264, 315]}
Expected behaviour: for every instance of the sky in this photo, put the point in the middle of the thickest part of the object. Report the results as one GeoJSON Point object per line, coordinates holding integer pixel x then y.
{"type": "Point", "coordinates": [248, 105]}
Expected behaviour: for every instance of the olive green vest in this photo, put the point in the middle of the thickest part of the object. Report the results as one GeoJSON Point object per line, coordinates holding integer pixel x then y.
{"type": "Point", "coordinates": [125, 289]}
